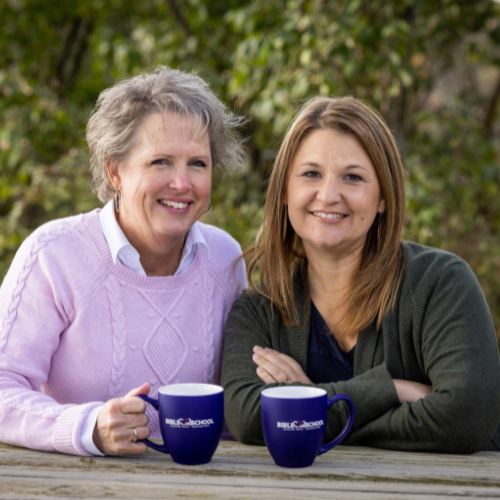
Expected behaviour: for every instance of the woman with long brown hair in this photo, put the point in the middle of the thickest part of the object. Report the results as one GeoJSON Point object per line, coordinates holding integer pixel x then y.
{"type": "Point", "coordinates": [344, 304]}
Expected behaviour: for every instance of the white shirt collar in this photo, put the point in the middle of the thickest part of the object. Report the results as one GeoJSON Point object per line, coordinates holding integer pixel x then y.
{"type": "Point", "coordinates": [122, 250]}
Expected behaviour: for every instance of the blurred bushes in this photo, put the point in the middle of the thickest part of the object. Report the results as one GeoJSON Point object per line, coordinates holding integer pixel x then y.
{"type": "Point", "coordinates": [431, 67]}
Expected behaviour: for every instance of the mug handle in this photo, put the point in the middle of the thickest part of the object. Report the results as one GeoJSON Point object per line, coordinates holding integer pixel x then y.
{"type": "Point", "coordinates": [157, 447]}
{"type": "Point", "coordinates": [348, 425]}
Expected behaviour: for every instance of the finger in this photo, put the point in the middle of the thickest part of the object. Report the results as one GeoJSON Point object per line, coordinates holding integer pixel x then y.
{"type": "Point", "coordinates": [143, 432]}
{"type": "Point", "coordinates": [293, 370]}
{"type": "Point", "coordinates": [131, 443]}
{"type": "Point", "coordinates": [286, 363]}
{"type": "Point", "coordinates": [124, 435]}
{"type": "Point", "coordinates": [297, 369]}
{"type": "Point", "coordinates": [264, 376]}
{"type": "Point", "coordinates": [277, 367]}
{"type": "Point", "coordinates": [276, 373]}
{"type": "Point", "coordinates": [132, 405]}
{"type": "Point", "coordinates": [276, 358]}
{"type": "Point", "coordinates": [138, 448]}
{"type": "Point", "coordinates": [297, 373]}
{"type": "Point", "coordinates": [143, 391]}
{"type": "Point", "coordinates": [134, 420]}
{"type": "Point", "coordinates": [131, 448]}
{"type": "Point", "coordinates": [123, 440]}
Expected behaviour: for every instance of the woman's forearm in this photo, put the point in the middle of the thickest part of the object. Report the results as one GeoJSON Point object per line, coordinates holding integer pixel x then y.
{"type": "Point", "coordinates": [34, 420]}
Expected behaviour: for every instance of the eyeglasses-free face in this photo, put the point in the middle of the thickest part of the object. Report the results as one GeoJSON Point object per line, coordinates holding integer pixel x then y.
{"type": "Point", "coordinates": [165, 182]}
{"type": "Point", "coordinates": [333, 193]}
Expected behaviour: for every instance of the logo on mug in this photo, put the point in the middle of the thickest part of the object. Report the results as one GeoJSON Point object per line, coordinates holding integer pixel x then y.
{"type": "Point", "coordinates": [188, 423]}
{"type": "Point", "coordinates": [300, 425]}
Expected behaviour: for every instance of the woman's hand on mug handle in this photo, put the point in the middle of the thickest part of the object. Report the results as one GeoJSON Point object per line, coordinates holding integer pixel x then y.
{"type": "Point", "coordinates": [274, 366]}
{"type": "Point", "coordinates": [113, 431]}
{"type": "Point", "coordinates": [410, 392]}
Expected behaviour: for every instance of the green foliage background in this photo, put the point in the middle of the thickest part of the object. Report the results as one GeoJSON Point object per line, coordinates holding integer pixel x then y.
{"type": "Point", "coordinates": [432, 67]}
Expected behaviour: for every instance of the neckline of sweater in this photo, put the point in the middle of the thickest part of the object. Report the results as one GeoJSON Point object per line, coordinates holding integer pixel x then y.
{"type": "Point", "coordinates": [192, 273]}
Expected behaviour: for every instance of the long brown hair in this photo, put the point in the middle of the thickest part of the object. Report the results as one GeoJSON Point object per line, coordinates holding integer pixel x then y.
{"type": "Point", "coordinates": [278, 252]}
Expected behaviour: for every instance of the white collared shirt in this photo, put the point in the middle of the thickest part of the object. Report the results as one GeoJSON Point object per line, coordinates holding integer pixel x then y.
{"type": "Point", "coordinates": [122, 250]}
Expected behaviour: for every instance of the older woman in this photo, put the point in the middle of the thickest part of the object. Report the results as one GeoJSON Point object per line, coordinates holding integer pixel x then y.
{"type": "Point", "coordinates": [101, 307]}
{"type": "Point", "coordinates": [344, 304]}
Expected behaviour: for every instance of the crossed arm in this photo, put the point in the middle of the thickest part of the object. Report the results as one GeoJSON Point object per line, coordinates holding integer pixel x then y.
{"type": "Point", "coordinates": [273, 367]}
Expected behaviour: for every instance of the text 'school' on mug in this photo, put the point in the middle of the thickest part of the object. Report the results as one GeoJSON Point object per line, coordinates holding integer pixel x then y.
{"type": "Point", "coordinates": [294, 423]}
{"type": "Point", "coordinates": [191, 418]}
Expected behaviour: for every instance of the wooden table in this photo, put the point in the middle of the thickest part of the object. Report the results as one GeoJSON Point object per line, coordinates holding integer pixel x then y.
{"type": "Point", "coordinates": [248, 472]}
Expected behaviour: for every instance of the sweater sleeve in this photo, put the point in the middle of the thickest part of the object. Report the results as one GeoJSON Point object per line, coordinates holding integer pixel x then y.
{"type": "Point", "coordinates": [32, 317]}
{"type": "Point", "coordinates": [372, 393]}
{"type": "Point", "coordinates": [459, 353]}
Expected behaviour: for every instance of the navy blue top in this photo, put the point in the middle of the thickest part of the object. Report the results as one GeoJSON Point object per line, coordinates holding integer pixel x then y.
{"type": "Point", "coordinates": [326, 361]}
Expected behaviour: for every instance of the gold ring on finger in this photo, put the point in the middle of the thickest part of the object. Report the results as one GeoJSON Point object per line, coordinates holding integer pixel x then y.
{"type": "Point", "coordinates": [136, 438]}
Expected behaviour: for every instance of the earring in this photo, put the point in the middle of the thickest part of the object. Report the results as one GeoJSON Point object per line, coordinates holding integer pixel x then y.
{"type": "Point", "coordinates": [209, 207]}
{"type": "Point", "coordinates": [117, 198]}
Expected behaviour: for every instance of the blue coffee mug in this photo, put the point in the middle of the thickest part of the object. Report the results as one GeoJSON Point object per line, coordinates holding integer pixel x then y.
{"type": "Point", "coordinates": [191, 419]}
{"type": "Point", "coordinates": [294, 423]}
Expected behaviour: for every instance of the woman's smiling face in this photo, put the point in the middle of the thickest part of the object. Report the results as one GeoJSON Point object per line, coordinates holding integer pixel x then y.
{"type": "Point", "coordinates": [333, 193]}
{"type": "Point", "coordinates": [165, 182]}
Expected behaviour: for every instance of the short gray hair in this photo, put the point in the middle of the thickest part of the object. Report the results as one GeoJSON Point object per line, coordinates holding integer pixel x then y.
{"type": "Point", "coordinates": [124, 107]}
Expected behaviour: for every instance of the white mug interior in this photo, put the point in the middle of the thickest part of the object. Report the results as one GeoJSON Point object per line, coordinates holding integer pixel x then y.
{"type": "Point", "coordinates": [190, 389]}
{"type": "Point", "coordinates": [293, 392]}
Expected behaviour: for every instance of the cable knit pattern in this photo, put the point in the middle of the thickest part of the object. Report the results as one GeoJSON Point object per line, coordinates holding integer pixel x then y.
{"type": "Point", "coordinates": [165, 348]}
{"type": "Point", "coordinates": [77, 329]}
{"type": "Point", "coordinates": [208, 344]}
{"type": "Point", "coordinates": [166, 351]}
{"type": "Point", "coordinates": [119, 337]}
{"type": "Point", "coordinates": [162, 302]}
{"type": "Point", "coordinates": [19, 403]}
{"type": "Point", "coordinates": [21, 280]}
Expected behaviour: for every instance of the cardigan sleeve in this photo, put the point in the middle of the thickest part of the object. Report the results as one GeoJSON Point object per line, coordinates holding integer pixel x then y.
{"type": "Point", "coordinates": [32, 317]}
{"type": "Point", "coordinates": [459, 353]}
{"type": "Point", "coordinates": [251, 323]}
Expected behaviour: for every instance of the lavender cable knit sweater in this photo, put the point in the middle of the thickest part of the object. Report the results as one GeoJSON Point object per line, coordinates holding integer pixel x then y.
{"type": "Point", "coordinates": [77, 330]}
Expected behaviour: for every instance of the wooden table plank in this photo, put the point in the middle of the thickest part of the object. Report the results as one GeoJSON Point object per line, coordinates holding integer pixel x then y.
{"type": "Point", "coordinates": [248, 472]}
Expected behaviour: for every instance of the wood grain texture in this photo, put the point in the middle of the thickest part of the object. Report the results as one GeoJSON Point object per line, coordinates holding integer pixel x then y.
{"type": "Point", "coordinates": [248, 472]}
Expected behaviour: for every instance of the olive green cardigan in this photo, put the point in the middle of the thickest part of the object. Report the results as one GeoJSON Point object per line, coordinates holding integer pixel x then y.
{"type": "Point", "coordinates": [439, 333]}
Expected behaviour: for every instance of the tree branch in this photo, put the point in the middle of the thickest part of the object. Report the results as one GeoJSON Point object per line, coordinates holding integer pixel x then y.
{"type": "Point", "coordinates": [83, 43]}
{"type": "Point", "coordinates": [491, 110]}
{"type": "Point", "coordinates": [67, 49]}
{"type": "Point", "coordinates": [179, 17]}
